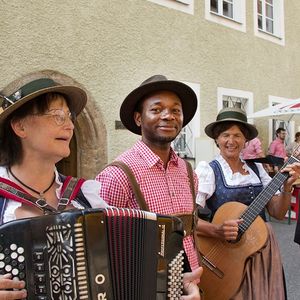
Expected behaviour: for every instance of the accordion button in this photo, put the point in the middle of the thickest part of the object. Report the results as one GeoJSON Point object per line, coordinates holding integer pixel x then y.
{"type": "Point", "coordinates": [8, 268]}
{"type": "Point", "coordinates": [38, 256]}
{"type": "Point", "coordinates": [40, 278]}
{"type": "Point", "coordinates": [22, 275]}
{"type": "Point", "coordinates": [7, 260]}
{"type": "Point", "coordinates": [39, 267]}
{"type": "Point", "coordinates": [20, 250]}
{"type": "Point", "coordinates": [21, 258]}
{"type": "Point", "coordinates": [40, 289]}
{"type": "Point", "coordinates": [13, 247]}
{"type": "Point", "coordinates": [2, 256]}
{"type": "Point", "coordinates": [14, 263]}
{"type": "Point", "coordinates": [15, 272]}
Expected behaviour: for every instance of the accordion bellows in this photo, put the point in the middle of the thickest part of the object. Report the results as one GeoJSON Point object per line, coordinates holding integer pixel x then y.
{"type": "Point", "coordinates": [103, 254]}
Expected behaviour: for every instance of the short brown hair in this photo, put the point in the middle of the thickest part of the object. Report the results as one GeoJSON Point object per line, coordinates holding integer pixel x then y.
{"type": "Point", "coordinates": [223, 126]}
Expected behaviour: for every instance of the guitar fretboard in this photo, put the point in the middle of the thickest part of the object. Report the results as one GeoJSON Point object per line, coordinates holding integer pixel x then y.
{"type": "Point", "coordinates": [255, 208]}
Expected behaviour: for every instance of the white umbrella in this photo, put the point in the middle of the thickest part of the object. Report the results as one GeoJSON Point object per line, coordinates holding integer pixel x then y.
{"type": "Point", "coordinates": [285, 109]}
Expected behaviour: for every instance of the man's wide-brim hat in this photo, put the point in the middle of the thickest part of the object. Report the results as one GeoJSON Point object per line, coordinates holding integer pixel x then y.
{"type": "Point", "coordinates": [76, 96]}
{"type": "Point", "coordinates": [153, 84]}
{"type": "Point", "coordinates": [231, 114]}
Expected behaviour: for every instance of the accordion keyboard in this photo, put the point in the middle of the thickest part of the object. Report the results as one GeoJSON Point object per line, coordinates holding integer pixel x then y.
{"type": "Point", "coordinates": [103, 254]}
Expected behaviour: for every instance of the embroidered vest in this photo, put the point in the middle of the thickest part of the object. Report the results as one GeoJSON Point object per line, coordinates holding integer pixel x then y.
{"type": "Point", "coordinates": [224, 193]}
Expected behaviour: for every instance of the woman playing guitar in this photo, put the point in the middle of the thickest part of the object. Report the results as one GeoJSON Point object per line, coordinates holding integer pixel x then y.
{"type": "Point", "coordinates": [238, 266]}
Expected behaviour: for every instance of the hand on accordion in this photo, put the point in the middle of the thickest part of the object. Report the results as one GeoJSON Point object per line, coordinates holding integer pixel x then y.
{"type": "Point", "coordinates": [190, 281]}
{"type": "Point", "coordinates": [11, 289]}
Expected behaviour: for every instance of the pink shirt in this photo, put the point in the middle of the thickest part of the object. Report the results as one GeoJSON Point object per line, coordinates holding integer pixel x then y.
{"type": "Point", "coordinates": [277, 148]}
{"type": "Point", "coordinates": [166, 191]}
{"type": "Point", "coordinates": [252, 149]}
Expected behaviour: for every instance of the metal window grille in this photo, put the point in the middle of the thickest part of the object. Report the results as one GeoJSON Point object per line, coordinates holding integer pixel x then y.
{"type": "Point", "coordinates": [232, 101]}
{"type": "Point", "coordinates": [183, 143]}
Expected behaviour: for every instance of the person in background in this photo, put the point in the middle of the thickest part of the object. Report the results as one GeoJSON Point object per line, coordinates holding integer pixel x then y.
{"type": "Point", "coordinates": [228, 178]}
{"type": "Point", "coordinates": [291, 147]}
{"type": "Point", "coordinates": [252, 149]}
{"type": "Point", "coordinates": [157, 110]}
{"type": "Point", "coordinates": [36, 127]}
{"type": "Point", "coordinates": [277, 147]}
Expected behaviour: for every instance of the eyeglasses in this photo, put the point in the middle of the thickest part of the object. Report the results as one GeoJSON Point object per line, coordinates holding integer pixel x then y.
{"type": "Point", "coordinates": [59, 116]}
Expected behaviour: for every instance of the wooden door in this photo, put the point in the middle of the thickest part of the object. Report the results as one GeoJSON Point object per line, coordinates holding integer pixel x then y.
{"type": "Point", "coordinates": [68, 165]}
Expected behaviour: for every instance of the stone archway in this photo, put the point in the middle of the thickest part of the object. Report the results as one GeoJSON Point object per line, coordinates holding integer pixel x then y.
{"type": "Point", "coordinates": [88, 147]}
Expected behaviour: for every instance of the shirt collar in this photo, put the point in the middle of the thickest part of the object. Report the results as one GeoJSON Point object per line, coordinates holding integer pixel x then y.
{"type": "Point", "coordinates": [150, 157]}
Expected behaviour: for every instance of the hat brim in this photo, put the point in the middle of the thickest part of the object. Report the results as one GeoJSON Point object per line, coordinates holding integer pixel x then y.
{"type": "Point", "coordinates": [210, 128]}
{"type": "Point", "coordinates": [77, 99]}
{"type": "Point", "coordinates": [185, 93]}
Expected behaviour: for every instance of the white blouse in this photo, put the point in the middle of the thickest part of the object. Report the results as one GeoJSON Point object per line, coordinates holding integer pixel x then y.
{"type": "Point", "coordinates": [206, 176]}
{"type": "Point", "coordinates": [90, 190]}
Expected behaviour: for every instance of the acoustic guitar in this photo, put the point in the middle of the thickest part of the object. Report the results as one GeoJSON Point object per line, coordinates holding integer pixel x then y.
{"type": "Point", "coordinates": [223, 261]}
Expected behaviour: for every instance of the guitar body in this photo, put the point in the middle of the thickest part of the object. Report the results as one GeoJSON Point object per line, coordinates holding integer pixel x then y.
{"type": "Point", "coordinates": [224, 262]}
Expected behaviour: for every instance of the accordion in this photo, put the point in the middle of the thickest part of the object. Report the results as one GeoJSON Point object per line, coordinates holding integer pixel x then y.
{"type": "Point", "coordinates": [103, 254]}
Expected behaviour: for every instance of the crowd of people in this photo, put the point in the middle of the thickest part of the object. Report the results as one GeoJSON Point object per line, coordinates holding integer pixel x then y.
{"type": "Point", "coordinates": [37, 124]}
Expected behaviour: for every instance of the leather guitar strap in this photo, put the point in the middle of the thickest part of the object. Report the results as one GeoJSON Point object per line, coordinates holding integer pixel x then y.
{"type": "Point", "coordinates": [195, 216]}
{"type": "Point", "coordinates": [192, 185]}
{"type": "Point", "coordinates": [134, 185]}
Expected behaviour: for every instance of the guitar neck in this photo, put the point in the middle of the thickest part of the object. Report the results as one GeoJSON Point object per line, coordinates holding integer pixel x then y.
{"type": "Point", "coordinates": [259, 203]}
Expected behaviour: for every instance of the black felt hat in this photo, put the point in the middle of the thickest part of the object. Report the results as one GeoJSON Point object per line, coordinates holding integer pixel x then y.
{"type": "Point", "coordinates": [154, 84]}
{"type": "Point", "coordinates": [232, 114]}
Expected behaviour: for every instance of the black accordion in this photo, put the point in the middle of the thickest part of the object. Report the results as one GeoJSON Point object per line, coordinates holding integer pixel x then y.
{"type": "Point", "coordinates": [102, 254]}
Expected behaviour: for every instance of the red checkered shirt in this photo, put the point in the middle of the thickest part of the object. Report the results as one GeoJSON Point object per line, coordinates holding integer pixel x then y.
{"type": "Point", "coordinates": [166, 191]}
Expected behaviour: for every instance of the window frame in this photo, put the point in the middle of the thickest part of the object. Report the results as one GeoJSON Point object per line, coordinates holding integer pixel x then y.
{"type": "Point", "coordinates": [192, 129]}
{"type": "Point", "coordinates": [278, 34]}
{"type": "Point", "coordinates": [237, 94]}
{"type": "Point", "coordinates": [237, 22]}
{"type": "Point", "coordinates": [186, 6]}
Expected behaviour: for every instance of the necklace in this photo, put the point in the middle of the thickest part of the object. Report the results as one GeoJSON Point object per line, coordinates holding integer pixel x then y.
{"type": "Point", "coordinates": [30, 188]}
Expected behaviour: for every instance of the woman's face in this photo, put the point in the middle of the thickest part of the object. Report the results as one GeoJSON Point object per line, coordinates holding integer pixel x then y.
{"type": "Point", "coordinates": [47, 135]}
{"type": "Point", "coordinates": [231, 142]}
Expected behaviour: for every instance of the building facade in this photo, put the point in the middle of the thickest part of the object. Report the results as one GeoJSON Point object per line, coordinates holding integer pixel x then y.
{"type": "Point", "coordinates": [231, 52]}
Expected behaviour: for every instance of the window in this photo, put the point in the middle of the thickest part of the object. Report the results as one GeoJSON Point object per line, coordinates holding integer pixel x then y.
{"type": "Point", "coordinates": [235, 98]}
{"type": "Point", "coordinates": [230, 13]}
{"type": "Point", "coordinates": [186, 6]}
{"type": "Point", "coordinates": [184, 144]}
{"type": "Point", "coordinates": [265, 16]}
{"type": "Point", "coordinates": [269, 20]}
{"type": "Point", "coordinates": [222, 7]}
{"type": "Point", "coordinates": [231, 101]}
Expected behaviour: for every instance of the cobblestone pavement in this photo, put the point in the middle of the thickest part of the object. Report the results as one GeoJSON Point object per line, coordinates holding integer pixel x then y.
{"type": "Point", "coordinates": [290, 253]}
